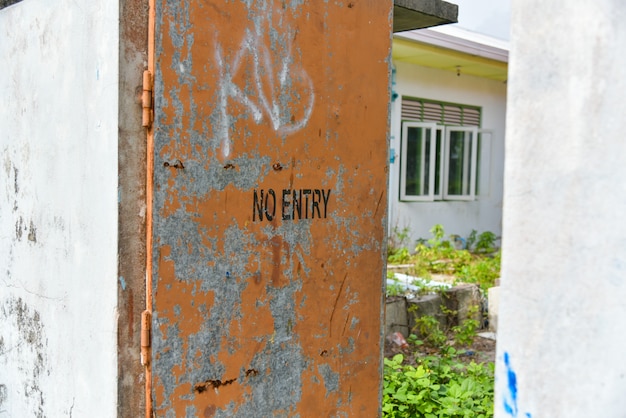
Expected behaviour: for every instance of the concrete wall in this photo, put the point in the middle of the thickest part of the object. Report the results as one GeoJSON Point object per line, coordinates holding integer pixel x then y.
{"type": "Point", "coordinates": [562, 328]}
{"type": "Point", "coordinates": [132, 207]}
{"type": "Point", "coordinates": [457, 217]}
{"type": "Point", "coordinates": [58, 208]}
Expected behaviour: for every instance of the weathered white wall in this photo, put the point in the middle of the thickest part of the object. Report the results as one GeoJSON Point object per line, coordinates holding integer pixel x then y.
{"type": "Point", "coordinates": [457, 217]}
{"type": "Point", "coordinates": [58, 208]}
{"type": "Point", "coordinates": [562, 327]}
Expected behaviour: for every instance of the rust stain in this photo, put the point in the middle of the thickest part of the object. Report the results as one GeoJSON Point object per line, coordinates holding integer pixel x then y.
{"type": "Point", "coordinates": [130, 309]}
{"type": "Point", "coordinates": [209, 411]}
{"type": "Point", "coordinates": [212, 384]}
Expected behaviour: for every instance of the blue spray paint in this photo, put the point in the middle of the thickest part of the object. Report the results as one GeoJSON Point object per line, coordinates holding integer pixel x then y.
{"type": "Point", "coordinates": [122, 283]}
{"type": "Point", "coordinates": [510, 399]}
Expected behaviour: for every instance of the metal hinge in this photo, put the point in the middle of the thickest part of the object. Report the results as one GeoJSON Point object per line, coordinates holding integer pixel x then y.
{"type": "Point", "coordinates": [146, 100]}
{"type": "Point", "coordinates": [146, 320]}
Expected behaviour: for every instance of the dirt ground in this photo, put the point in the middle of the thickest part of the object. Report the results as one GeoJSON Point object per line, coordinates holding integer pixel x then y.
{"type": "Point", "coordinates": [482, 350]}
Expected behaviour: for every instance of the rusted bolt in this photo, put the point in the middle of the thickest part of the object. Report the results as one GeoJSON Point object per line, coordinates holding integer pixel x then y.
{"type": "Point", "coordinates": [277, 167]}
{"type": "Point", "coordinates": [251, 372]}
{"type": "Point", "coordinates": [177, 164]}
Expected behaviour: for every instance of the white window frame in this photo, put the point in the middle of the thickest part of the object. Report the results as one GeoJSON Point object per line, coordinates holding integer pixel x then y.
{"type": "Point", "coordinates": [438, 134]}
{"type": "Point", "coordinates": [483, 176]}
{"type": "Point", "coordinates": [427, 128]}
{"type": "Point", "coordinates": [470, 138]}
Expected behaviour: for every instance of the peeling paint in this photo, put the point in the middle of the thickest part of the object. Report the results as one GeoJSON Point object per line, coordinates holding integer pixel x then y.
{"type": "Point", "coordinates": [25, 346]}
{"type": "Point", "coordinates": [122, 283]}
{"type": "Point", "coordinates": [269, 315]}
{"type": "Point", "coordinates": [58, 208]}
{"type": "Point", "coordinates": [32, 232]}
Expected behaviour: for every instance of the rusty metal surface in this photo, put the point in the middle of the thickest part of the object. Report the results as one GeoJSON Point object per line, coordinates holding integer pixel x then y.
{"type": "Point", "coordinates": [270, 173]}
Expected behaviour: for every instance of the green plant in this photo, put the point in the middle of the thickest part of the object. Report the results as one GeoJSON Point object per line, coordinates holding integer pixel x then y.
{"type": "Point", "coordinates": [465, 332]}
{"type": "Point", "coordinates": [439, 257]}
{"type": "Point", "coordinates": [486, 242]}
{"type": "Point", "coordinates": [471, 239]}
{"type": "Point", "coordinates": [438, 237]}
{"type": "Point", "coordinates": [434, 336]}
{"type": "Point", "coordinates": [397, 251]}
{"type": "Point", "coordinates": [395, 288]}
{"type": "Point", "coordinates": [442, 385]}
{"type": "Point", "coordinates": [399, 256]}
{"type": "Point", "coordinates": [483, 271]}
{"type": "Point", "coordinates": [437, 387]}
{"type": "Point", "coordinates": [443, 259]}
{"type": "Point", "coordinates": [430, 330]}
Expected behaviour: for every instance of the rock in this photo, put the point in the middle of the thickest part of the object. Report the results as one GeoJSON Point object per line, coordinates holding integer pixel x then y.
{"type": "Point", "coordinates": [426, 305]}
{"type": "Point", "coordinates": [493, 296]}
{"type": "Point", "coordinates": [396, 319]}
{"type": "Point", "coordinates": [465, 301]}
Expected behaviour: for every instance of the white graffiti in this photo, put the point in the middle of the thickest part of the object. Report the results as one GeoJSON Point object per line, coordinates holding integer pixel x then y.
{"type": "Point", "coordinates": [270, 94]}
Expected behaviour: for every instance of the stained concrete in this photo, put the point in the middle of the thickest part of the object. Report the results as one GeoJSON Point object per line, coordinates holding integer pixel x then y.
{"type": "Point", "coordinates": [449, 307]}
{"type": "Point", "coordinates": [562, 316]}
{"type": "Point", "coordinates": [418, 14]}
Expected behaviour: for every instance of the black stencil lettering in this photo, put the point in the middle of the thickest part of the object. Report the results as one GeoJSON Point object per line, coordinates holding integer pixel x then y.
{"type": "Point", "coordinates": [315, 203]}
{"type": "Point", "coordinates": [289, 204]}
{"type": "Point", "coordinates": [306, 193]}
{"type": "Point", "coordinates": [270, 213]}
{"type": "Point", "coordinates": [285, 205]}
{"type": "Point", "coordinates": [325, 197]}
{"type": "Point", "coordinates": [296, 207]}
{"type": "Point", "coordinates": [257, 206]}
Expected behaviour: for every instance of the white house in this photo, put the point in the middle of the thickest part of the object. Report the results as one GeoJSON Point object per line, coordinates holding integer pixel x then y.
{"type": "Point", "coordinates": [447, 131]}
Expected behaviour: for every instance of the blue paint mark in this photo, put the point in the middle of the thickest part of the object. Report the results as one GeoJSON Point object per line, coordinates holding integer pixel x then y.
{"type": "Point", "coordinates": [510, 408]}
{"type": "Point", "coordinates": [122, 283]}
{"type": "Point", "coordinates": [510, 401]}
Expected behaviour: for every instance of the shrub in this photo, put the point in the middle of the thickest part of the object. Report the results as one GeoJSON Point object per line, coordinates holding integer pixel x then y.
{"type": "Point", "coordinates": [437, 387]}
{"type": "Point", "coordinates": [484, 271]}
{"type": "Point", "coordinates": [397, 251]}
{"type": "Point", "coordinates": [477, 263]}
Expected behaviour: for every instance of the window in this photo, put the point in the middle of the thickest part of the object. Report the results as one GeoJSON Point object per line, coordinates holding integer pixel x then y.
{"type": "Point", "coordinates": [440, 152]}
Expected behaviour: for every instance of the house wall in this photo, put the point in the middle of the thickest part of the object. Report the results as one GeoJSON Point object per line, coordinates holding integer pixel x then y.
{"type": "Point", "coordinates": [58, 208]}
{"type": "Point", "coordinates": [562, 322]}
{"type": "Point", "coordinates": [457, 217]}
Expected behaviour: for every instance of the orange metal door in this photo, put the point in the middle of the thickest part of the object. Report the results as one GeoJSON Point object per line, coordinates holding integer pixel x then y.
{"type": "Point", "coordinates": [269, 207]}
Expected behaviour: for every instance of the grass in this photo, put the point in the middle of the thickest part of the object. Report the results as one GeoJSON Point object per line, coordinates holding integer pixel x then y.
{"type": "Point", "coordinates": [478, 263]}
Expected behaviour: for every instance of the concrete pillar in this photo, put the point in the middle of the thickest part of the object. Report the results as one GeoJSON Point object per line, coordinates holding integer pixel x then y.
{"type": "Point", "coordinates": [562, 328]}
